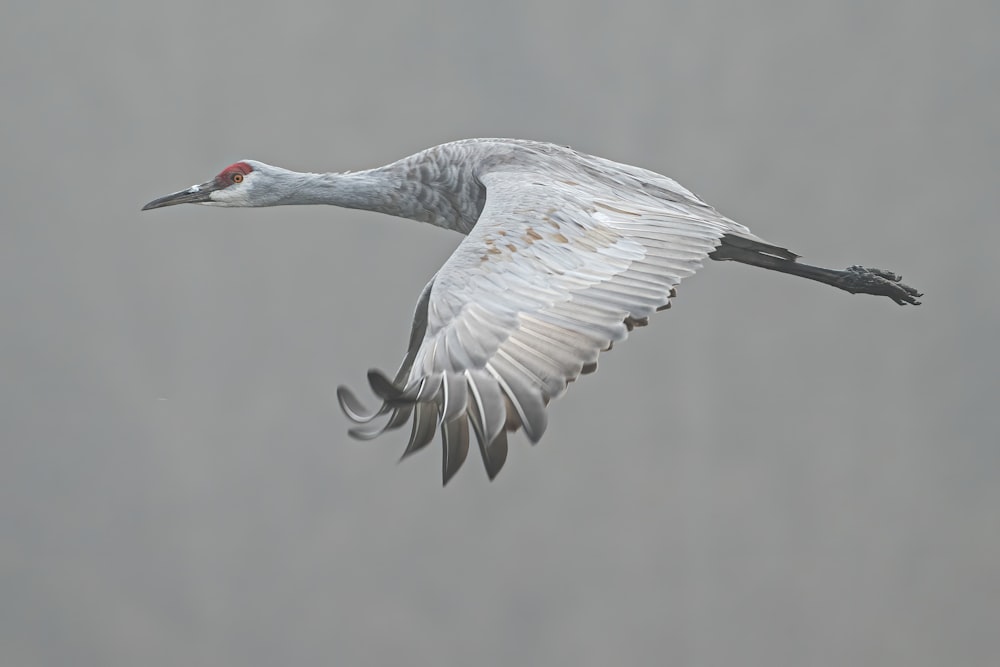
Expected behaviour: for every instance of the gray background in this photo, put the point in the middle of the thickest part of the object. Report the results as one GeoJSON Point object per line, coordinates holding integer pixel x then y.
{"type": "Point", "coordinates": [775, 473]}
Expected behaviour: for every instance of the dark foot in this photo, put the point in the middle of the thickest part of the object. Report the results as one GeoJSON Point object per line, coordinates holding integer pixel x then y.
{"type": "Point", "coordinates": [860, 280]}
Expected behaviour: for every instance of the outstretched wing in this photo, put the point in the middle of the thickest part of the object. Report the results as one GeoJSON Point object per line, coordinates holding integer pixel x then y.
{"type": "Point", "coordinates": [554, 272]}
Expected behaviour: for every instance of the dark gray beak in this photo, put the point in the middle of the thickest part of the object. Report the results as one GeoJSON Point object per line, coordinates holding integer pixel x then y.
{"type": "Point", "coordinates": [196, 194]}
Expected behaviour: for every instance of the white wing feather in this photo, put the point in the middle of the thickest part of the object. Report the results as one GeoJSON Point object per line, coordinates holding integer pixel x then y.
{"type": "Point", "coordinates": [554, 272]}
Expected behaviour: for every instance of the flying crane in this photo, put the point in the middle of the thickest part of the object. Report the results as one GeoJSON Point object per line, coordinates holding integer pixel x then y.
{"type": "Point", "coordinates": [564, 254]}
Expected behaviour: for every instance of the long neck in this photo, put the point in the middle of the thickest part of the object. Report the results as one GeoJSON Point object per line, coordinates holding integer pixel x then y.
{"type": "Point", "coordinates": [367, 190]}
{"type": "Point", "coordinates": [388, 190]}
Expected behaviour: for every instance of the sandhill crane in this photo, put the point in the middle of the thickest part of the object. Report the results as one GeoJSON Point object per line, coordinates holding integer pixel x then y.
{"type": "Point", "coordinates": [564, 254]}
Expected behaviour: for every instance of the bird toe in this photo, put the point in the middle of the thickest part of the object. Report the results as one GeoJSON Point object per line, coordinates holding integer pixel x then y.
{"type": "Point", "coordinates": [879, 282]}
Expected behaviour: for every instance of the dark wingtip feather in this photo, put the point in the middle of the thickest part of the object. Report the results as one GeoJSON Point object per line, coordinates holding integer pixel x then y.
{"type": "Point", "coordinates": [423, 430]}
{"type": "Point", "coordinates": [367, 433]}
{"type": "Point", "coordinates": [494, 455]}
{"type": "Point", "coordinates": [455, 441]}
{"type": "Point", "coordinates": [395, 420]}
{"type": "Point", "coordinates": [352, 407]}
{"type": "Point", "coordinates": [383, 386]}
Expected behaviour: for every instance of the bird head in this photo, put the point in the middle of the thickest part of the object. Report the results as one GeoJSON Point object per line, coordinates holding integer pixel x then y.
{"type": "Point", "coordinates": [244, 183]}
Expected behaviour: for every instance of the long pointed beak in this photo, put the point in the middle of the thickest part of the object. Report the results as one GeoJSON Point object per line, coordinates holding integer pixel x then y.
{"type": "Point", "coordinates": [196, 194]}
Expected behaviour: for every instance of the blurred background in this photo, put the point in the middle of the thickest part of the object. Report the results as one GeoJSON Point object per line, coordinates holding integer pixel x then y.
{"type": "Point", "coordinates": [774, 473]}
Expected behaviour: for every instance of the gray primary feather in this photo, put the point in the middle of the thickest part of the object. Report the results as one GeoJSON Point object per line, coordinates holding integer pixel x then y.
{"type": "Point", "coordinates": [565, 253]}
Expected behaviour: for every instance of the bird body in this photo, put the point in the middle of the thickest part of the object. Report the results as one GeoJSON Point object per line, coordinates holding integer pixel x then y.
{"type": "Point", "coordinates": [564, 254]}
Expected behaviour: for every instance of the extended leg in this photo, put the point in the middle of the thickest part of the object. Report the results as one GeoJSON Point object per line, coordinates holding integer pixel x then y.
{"type": "Point", "coordinates": [853, 279]}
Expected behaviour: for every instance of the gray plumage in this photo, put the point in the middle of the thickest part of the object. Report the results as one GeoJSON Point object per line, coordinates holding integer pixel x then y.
{"type": "Point", "coordinates": [565, 253]}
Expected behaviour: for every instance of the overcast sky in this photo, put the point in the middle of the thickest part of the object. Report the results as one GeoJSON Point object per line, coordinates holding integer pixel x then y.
{"type": "Point", "coordinates": [772, 473]}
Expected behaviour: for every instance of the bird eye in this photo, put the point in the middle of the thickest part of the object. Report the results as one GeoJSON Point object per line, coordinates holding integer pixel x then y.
{"type": "Point", "coordinates": [237, 177]}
